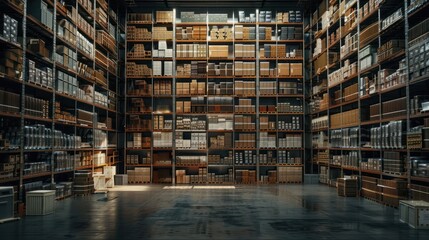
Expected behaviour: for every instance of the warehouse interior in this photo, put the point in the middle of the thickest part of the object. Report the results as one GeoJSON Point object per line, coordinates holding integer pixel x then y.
{"type": "Point", "coordinates": [196, 119]}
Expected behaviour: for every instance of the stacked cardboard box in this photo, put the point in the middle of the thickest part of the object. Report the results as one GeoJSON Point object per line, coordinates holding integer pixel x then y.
{"type": "Point", "coordinates": [245, 176]}
{"type": "Point", "coordinates": [242, 17]}
{"type": "Point", "coordinates": [136, 159]}
{"type": "Point", "coordinates": [83, 183]}
{"type": "Point", "coordinates": [289, 157]}
{"type": "Point", "coordinates": [138, 70]}
{"type": "Point", "coordinates": [11, 63]}
{"type": "Point", "coordinates": [244, 123]}
{"type": "Point", "coordinates": [221, 178]}
{"type": "Point", "coordinates": [221, 33]}
{"type": "Point", "coordinates": [104, 39]}
{"type": "Point", "coordinates": [140, 17]}
{"type": "Point", "coordinates": [134, 33]}
{"type": "Point", "coordinates": [245, 140]}
{"type": "Point", "coordinates": [193, 17]}
{"type": "Point", "coordinates": [290, 107]}
{"type": "Point", "coordinates": [220, 104]}
{"type": "Point", "coordinates": [221, 122]}
{"type": "Point", "coordinates": [267, 88]}
{"type": "Point", "coordinates": [139, 175]}
{"type": "Point", "coordinates": [290, 141]}
{"type": "Point", "coordinates": [350, 117]}
{"type": "Point", "coordinates": [221, 160]}
{"type": "Point", "coordinates": [245, 157]}
{"type": "Point", "coordinates": [221, 69]}
{"type": "Point", "coordinates": [140, 87]}
{"type": "Point", "coordinates": [265, 33]}
{"type": "Point", "coordinates": [162, 87]}
{"type": "Point", "coordinates": [136, 122]}
{"type": "Point", "coordinates": [266, 124]}
{"type": "Point", "coordinates": [218, 51]}
{"type": "Point", "coordinates": [265, 16]}
{"type": "Point", "coordinates": [191, 160]}
{"type": "Point", "coordinates": [183, 178]}
{"type": "Point", "coordinates": [191, 51]}
{"type": "Point", "coordinates": [290, 88]}
{"type": "Point", "coordinates": [101, 17]}
{"type": "Point", "coordinates": [195, 142]}
{"type": "Point", "coordinates": [245, 106]}
{"type": "Point", "coordinates": [66, 31]}
{"type": "Point", "coordinates": [266, 70]}
{"type": "Point", "coordinates": [244, 68]}
{"type": "Point", "coordinates": [221, 141]}
{"type": "Point", "coordinates": [291, 33]}
{"type": "Point", "coordinates": [39, 9]}
{"type": "Point", "coordinates": [267, 158]}
{"type": "Point", "coordinates": [389, 135]}
{"type": "Point", "coordinates": [164, 16]}
{"type": "Point", "coordinates": [267, 140]}
{"type": "Point", "coordinates": [162, 139]}
{"type": "Point", "coordinates": [10, 166]}
{"type": "Point", "coordinates": [347, 187]}
{"type": "Point", "coordinates": [190, 123]}
{"type": "Point", "coordinates": [390, 48]}
{"type": "Point", "coordinates": [222, 88]}
{"type": "Point", "coordinates": [245, 88]}
{"type": "Point", "coordinates": [244, 33]}
{"type": "Point", "coordinates": [289, 174]}
{"type": "Point", "coordinates": [191, 33]}
{"type": "Point", "coordinates": [9, 102]}
{"type": "Point", "coordinates": [244, 50]}
{"type": "Point", "coordinates": [271, 178]}
{"type": "Point", "coordinates": [368, 33]}
{"type": "Point", "coordinates": [161, 33]}
{"type": "Point", "coordinates": [289, 123]}
{"type": "Point", "coordinates": [85, 45]}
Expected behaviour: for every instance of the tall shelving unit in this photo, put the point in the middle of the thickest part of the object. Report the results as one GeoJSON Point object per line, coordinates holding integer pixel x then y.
{"type": "Point", "coordinates": [380, 88]}
{"type": "Point", "coordinates": [55, 134]}
{"type": "Point", "coordinates": [195, 91]}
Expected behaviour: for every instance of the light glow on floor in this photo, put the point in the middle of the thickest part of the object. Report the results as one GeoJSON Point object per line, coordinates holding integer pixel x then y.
{"type": "Point", "coordinates": [129, 188]}
{"type": "Point", "coordinates": [177, 187]}
{"type": "Point", "coordinates": [214, 187]}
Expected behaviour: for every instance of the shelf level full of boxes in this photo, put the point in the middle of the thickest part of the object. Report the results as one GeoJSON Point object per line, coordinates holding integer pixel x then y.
{"type": "Point", "coordinates": [368, 106]}
{"type": "Point", "coordinates": [214, 97]}
{"type": "Point", "coordinates": [58, 102]}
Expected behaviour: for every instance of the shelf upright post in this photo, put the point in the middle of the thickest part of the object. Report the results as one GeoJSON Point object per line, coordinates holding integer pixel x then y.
{"type": "Point", "coordinates": [124, 121]}
{"type": "Point", "coordinates": [22, 122]}
{"type": "Point", "coordinates": [173, 103]}
{"type": "Point", "coordinates": [152, 100]}
{"type": "Point", "coordinates": [407, 92]}
{"type": "Point", "coordinates": [257, 80]}
{"type": "Point", "coordinates": [359, 160]}
{"type": "Point", "coordinates": [93, 85]}
{"type": "Point", "coordinates": [54, 44]}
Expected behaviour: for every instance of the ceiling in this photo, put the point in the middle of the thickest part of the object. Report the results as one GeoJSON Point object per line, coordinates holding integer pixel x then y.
{"type": "Point", "coordinates": [301, 4]}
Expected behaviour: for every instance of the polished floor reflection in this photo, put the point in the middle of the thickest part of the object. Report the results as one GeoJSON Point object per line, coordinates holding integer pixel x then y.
{"type": "Point", "coordinates": [246, 212]}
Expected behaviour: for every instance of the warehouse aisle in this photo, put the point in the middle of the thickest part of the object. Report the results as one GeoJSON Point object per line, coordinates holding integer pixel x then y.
{"type": "Point", "coordinates": [247, 212]}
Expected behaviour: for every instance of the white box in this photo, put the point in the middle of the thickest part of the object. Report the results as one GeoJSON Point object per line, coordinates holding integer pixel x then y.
{"type": "Point", "coordinates": [99, 182]}
{"type": "Point", "coordinates": [40, 202]}
{"type": "Point", "coordinates": [415, 213]}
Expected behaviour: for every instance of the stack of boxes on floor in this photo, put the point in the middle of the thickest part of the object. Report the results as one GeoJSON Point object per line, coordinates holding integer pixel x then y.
{"type": "Point", "coordinates": [388, 192]}
{"type": "Point", "coordinates": [83, 183]}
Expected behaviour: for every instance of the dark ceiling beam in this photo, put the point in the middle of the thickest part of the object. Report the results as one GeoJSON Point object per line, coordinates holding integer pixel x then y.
{"type": "Point", "coordinates": [166, 3]}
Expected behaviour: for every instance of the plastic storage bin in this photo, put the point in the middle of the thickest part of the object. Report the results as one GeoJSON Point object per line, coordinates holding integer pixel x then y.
{"type": "Point", "coordinates": [40, 202]}
{"type": "Point", "coordinates": [415, 213]}
{"type": "Point", "coordinates": [6, 203]}
{"type": "Point", "coordinates": [121, 179]}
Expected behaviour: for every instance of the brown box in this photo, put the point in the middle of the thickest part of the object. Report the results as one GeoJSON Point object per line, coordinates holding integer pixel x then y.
{"type": "Point", "coordinates": [179, 107]}
{"type": "Point", "coordinates": [296, 69]}
{"type": "Point", "coordinates": [186, 106]}
{"type": "Point", "coordinates": [283, 69]}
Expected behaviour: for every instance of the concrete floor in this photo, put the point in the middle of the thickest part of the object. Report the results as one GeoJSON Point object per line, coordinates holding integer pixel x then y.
{"type": "Point", "coordinates": [247, 212]}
